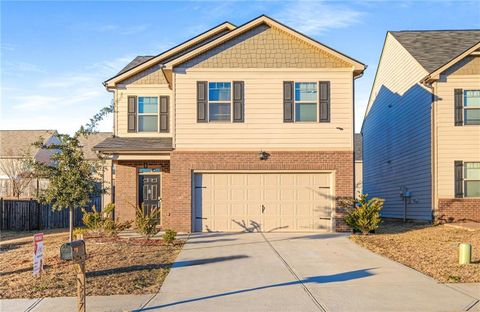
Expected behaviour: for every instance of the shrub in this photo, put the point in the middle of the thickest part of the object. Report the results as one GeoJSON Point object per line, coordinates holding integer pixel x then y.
{"type": "Point", "coordinates": [169, 236]}
{"type": "Point", "coordinates": [101, 222]}
{"type": "Point", "coordinates": [146, 223]}
{"type": "Point", "coordinates": [363, 214]}
{"type": "Point", "coordinates": [78, 232]}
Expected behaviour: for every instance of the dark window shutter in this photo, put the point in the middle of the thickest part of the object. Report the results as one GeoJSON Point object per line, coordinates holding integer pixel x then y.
{"type": "Point", "coordinates": [164, 110]}
{"type": "Point", "coordinates": [202, 101]}
{"type": "Point", "coordinates": [288, 101]}
{"type": "Point", "coordinates": [132, 114]}
{"type": "Point", "coordinates": [458, 179]}
{"type": "Point", "coordinates": [238, 101]}
{"type": "Point", "coordinates": [324, 101]}
{"type": "Point", "coordinates": [458, 107]}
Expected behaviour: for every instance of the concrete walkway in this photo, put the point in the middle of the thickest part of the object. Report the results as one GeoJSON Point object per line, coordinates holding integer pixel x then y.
{"type": "Point", "coordinates": [280, 272]}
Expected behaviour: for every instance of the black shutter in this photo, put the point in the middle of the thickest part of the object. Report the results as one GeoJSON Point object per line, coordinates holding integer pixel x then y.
{"type": "Point", "coordinates": [132, 114]}
{"type": "Point", "coordinates": [238, 101]}
{"type": "Point", "coordinates": [288, 101]}
{"type": "Point", "coordinates": [164, 110]}
{"type": "Point", "coordinates": [458, 179]}
{"type": "Point", "coordinates": [458, 107]}
{"type": "Point", "coordinates": [202, 101]}
{"type": "Point", "coordinates": [324, 101]}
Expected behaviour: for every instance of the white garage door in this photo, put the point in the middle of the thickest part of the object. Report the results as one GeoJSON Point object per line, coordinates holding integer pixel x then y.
{"type": "Point", "coordinates": [286, 202]}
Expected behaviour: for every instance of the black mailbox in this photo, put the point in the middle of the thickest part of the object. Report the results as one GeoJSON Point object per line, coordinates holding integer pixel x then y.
{"type": "Point", "coordinates": [74, 250]}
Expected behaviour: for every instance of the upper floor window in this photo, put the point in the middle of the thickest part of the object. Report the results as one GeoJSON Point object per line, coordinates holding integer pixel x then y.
{"type": "Point", "coordinates": [471, 107]}
{"type": "Point", "coordinates": [472, 179]}
{"type": "Point", "coordinates": [219, 101]}
{"type": "Point", "coordinates": [147, 114]}
{"type": "Point", "coordinates": [306, 101]}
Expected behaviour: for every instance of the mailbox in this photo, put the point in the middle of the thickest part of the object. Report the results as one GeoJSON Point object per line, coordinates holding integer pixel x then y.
{"type": "Point", "coordinates": [74, 250]}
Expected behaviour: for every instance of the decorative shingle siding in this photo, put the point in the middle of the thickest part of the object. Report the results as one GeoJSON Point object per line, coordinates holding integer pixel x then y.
{"type": "Point", "coordinates": [265, 47]}
{"type": "Point", "coordinates": [152, 75]}
{"type": "Point", "coordinates": [468, 66]}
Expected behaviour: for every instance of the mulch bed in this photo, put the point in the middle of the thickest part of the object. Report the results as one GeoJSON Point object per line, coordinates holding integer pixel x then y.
{"type": "Point", "coordinates": [114, 266]}
{"type": "Point", "coordinates": [432, 250]}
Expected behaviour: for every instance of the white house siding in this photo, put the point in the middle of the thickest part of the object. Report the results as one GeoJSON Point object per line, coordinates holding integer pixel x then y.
{"type": "Point", "coordinates": [454, 142]}
{"type": "Point", "coordinates": [264, 128]}
{"type": "Point", "coordinates": [396, 135]}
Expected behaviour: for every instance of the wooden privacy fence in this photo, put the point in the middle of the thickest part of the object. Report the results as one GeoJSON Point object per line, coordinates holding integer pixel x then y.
{"type": "Point", "coordinates": [28, 215]}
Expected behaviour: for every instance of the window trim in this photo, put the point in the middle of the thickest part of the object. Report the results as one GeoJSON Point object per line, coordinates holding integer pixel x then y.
{"type": "Point", "coordinates": [148, 114]}
{"type": "Point", "coordinates": [317, 102]}
{"type": "Point", "coordinates": [465, 180]}
{"type": "Point", "coordinates": [465, 107]}
{"type": "Point", "coordinates": [220, 102]}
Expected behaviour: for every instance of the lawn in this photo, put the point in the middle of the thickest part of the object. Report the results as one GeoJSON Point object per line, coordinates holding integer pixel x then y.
{"type": "Point", "coordinates": [114, 266]}
{"type": "Point", "coordinates": [432, 250]}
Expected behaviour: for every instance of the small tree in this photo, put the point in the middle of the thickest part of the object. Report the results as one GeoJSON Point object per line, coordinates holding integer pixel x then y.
{"type": "Point", "coordinates": [72, 179]}
{"type": "Point", "coordinates": [363, 214]}
{"type": "Point", "coordinates": [18, 171]}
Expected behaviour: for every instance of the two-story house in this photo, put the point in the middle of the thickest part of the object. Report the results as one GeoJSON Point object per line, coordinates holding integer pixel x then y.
{"type": "Point", "coordinates": [421, 132]}
{"type": "Point", "coordinates": [238, 128]}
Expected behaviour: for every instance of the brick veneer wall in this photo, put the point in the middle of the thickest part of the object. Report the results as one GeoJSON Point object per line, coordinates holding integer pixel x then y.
{"type": "Point", "coordinates": [126, 185]}
{"type": "Point", "coordinates": [458, 209]}
{"type": "Point", "coordinates": [177, 203]}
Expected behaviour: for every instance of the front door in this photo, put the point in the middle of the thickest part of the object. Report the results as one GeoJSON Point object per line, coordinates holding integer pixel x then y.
{"type": "Point", "coordinates": [149, 188]}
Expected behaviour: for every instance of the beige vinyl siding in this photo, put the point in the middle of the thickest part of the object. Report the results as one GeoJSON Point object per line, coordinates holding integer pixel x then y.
{"type": "Point", "coordinates": [453, 142]}
{"type": "Point", "coordinates": [396, 135]}
{"type": "Point", "coordinates": [121, 113]}
{"type": "Point", "coordinates": [264, 127]}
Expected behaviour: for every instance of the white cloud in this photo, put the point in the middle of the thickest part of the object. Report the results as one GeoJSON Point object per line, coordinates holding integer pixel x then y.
{"type": "Point", "coordinates": [18, 68]}
{"type": "Point", "coordinates": [314, 18]}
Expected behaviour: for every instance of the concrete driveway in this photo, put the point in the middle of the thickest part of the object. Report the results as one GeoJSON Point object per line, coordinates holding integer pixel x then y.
{"type": "Point", "coordinates": [296, 272]}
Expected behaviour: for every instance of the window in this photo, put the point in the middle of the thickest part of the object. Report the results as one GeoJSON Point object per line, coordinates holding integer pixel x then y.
{"type": "Point", "coordinates": [147, 114]}
{"type": "Point", "coordinates": [471, 179]}
{"type": "Point", "coordinates": [306, 101]}
{"type": "Point", "coordinates": [219, 101]}
{"type": "Point", "coordinates": [471, 107]}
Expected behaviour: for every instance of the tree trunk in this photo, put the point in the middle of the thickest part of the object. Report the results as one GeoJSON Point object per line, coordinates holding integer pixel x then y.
{"type": "Point", "coordinates": [71, 223]}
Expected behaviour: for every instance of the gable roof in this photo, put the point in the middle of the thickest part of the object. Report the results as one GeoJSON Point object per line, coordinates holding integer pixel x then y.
{"type": "Point", "coordinates": [89, 141]}
{"type": "Point", "coordinates": [434, 48]}
{"type": "Point", "coordinates": [263, 19]}
{"type": "Point", "coordinates": [142, 62]}
{"type": "Point", "coordinates": [15, 143]}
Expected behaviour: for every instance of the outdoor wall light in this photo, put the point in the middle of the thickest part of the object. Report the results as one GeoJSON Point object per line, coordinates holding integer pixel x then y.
{"type": "Point", "coordinates": [262, 155]}
{"type": "Point", "coordinates": [340, 128]}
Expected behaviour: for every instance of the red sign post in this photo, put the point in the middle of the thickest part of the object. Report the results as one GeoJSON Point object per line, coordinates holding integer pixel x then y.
{"type": "Point", "coordinates": [37, 254]}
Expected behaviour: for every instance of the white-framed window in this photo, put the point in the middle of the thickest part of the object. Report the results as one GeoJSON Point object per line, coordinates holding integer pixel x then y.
{"type": "Point", "coordinates": [471, 179]}
{"type": "Point", "coordinates": [220, 101]}
{"type": "Point", "coordinates": [147, 114]}
{"type": "Point", "coordinates": [471, 107]}
{"type": "Point", "coordinates": [306, 101]}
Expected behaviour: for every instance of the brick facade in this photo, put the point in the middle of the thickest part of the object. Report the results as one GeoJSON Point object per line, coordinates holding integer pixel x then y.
{"type": "Point", "coordinates": [177, 179]}
{"type": "Point", "coordinates": [458, 210]}
{"type": "Point", "coordinates": [126, 185]}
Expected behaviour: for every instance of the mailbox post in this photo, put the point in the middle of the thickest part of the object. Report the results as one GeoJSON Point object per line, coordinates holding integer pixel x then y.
{"type": "Point", "coordinates": [75, 251]}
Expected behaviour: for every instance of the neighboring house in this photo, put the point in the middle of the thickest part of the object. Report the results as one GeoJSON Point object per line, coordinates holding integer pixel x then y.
{"type": "Point", "coordinates": [15, 146]}
{"type": "Point", "coordinates": [421, 132]}
{"type": "Point", "coordinates": [238, 128]}
{"type": "Point", "coordinates": [105, 172]}
{"type": "Point", "coordinates": [358, 164]}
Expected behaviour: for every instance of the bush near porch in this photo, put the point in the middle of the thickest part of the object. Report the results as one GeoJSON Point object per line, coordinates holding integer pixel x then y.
{"type": "Point", "coordinates": [432, 250]}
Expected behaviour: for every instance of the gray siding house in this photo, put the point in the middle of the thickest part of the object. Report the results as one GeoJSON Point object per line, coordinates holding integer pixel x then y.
{"type": "Point", "coordinates": [412, 138]}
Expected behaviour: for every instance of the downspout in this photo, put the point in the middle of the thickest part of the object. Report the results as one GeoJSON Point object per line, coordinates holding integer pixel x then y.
{"type": "Point", "coordinates": [354, 163]}
{"type": "Point", "coordinates": [433, 146]}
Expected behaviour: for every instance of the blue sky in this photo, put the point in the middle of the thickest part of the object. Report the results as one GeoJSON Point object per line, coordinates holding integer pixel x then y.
{"type": "Point", "coordinates": [54, 55]}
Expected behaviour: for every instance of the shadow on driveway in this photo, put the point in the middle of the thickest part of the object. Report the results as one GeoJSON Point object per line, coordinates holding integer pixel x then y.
{"type": "Point", "coordinates": [340, 277]}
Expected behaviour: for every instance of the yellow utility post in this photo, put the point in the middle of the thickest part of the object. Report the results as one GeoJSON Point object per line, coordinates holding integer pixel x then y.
{"type": "Point", "coordinates": [465, 253]}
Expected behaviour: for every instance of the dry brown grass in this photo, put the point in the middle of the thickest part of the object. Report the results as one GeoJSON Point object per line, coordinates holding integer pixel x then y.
{"type": "Point", "coordinates": [114, 266]}
{"type": "Point", "coordinates": [432, 250]}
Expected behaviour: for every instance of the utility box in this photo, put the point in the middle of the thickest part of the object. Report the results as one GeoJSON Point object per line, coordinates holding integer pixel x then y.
{"type": "Point", "coordinates": [73, 251]}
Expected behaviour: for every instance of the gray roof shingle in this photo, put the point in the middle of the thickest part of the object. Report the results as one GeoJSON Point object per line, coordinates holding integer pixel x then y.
{"type": "Point", "coordinates": [434, 48]}
{"type": "Point", "coordinates": [135, 62]}
{"type": "Point", "coordinates": [18, 143]}
{"type": "Point", "coordinates": [357, 143]}
{"type": "Point", "coordinates": [90, 141]}
{"type": "Point", "coordinates": [114, 144]}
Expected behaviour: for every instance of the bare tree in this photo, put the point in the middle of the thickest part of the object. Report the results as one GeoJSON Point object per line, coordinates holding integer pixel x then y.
{"type": "Point", "coordinates": [19, 172]}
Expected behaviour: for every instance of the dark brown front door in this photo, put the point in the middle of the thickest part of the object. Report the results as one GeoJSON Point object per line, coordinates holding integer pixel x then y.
{"type": "Point", "coordinates": [149, 187]}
